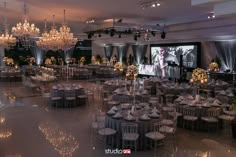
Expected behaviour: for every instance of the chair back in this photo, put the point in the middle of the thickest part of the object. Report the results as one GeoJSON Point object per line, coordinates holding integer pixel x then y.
{"type": "Point", "coordinates": [213, 112]}
{"type": "Point", "coordinates": [70, 93]}
{"type": "Point", "coordinates": [189, 111]}
{"type": "Point", "coordinates": [129, 128]}
{"type": "Point", "coordinates": [157, 126]}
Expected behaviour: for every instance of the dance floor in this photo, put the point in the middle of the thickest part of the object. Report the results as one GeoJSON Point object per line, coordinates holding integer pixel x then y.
{"type": "Point", "coordinates": [29, 127]}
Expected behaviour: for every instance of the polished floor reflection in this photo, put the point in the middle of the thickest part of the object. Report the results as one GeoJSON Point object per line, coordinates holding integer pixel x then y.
{"type": "Point", "coordinates": [31, 128]}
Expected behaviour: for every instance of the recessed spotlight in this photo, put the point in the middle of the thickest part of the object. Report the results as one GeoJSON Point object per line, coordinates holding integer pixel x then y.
{"type": "Point", "coordinates": [211, 16]}
{"type": "Point", "coordinates": [158, 4]}
{"type": "Point", "coordinates": [153, 5]}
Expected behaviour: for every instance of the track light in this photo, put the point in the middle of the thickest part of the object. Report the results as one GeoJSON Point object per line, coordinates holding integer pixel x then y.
{"type": "Point", "coordinates": [112, 33]}
{"type": "Point", "coordinates": [153, 33]}
{"type": "Point", "coordinates": [90, 35]}
{"type": "Point", "coordinates": [163, 35]}
{"type": "Point", "coordinates": [211, 16]}
{"type": "Point", "coordinates": [106, 31]}
{"type": "Point", "coordinates": [135, 37]}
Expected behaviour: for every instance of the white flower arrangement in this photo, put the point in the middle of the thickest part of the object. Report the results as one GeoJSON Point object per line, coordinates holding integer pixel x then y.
{"type": "Point", "coordinates": [199, 76]}
{"type": "Point", "coordinates": [82, 60]}
{"type": "Point", "coordinates": [119, 67]}
{"type": "Point", "coordinates": [132, 72]}
{"type": "Point", "coordinates": [213, 67]}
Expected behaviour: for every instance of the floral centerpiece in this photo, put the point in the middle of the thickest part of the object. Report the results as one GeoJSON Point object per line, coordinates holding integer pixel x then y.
{"type": "Point", "coordinates": [60, 61]}
{"type": "Point", "coordinates": [53, 60]}
{"type": "Point", "coordinates": [104, 60]}
{"type": "Point", "coordinates": [82, 60]}
{"type": "Point", "coordinates": [48, 61]}
{"type": "Point", "coordinates": [119, 67]}
{"type": "Point", "coordinates": [132, 72]}
{"type": "Point", "coordinates": [8, 61]}
{"type": "Point", "coordinates": [30, 60]}
{"type": "Point", "coordinates": [93, 60]}
{"type": "Point", "coordinates": [213, 67]}
{"type": "Point", "coordinates": [114, 60]}
{"type": "Point", "coordinates": [199, 76]}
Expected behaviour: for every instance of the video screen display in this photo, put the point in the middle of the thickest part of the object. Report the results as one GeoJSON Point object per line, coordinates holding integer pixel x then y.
{"type": "Point", "coordinates": [163, 55]}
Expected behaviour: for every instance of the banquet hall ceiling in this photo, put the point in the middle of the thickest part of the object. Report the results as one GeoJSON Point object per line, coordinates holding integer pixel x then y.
{"type": "Point", "coordinates": [176, 14]}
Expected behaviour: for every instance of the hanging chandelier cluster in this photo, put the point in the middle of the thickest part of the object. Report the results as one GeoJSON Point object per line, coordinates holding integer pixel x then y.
{"type": "Point", "coordinates": [57, 40]}
{"type": "Point", "coordinates": [25, 32]}
{"type": "Point", "coordinates": [6, 39]}
{"type": "Point", "coordinates": [25, 29]}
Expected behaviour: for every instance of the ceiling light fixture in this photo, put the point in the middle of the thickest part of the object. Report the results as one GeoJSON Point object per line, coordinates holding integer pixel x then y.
{"type": "Point", "coordinates": [6, 39]}
{"type": "Point", "coordinates": [163, 35]}
{"type": "Point", "coordinates": [24, 31]}
{"type": "Point", "coordinates": [211, 16]}
{"type": "Point", "coordinates": [150, 4]}
{"type": "Point", "coordinates": [58, 40]}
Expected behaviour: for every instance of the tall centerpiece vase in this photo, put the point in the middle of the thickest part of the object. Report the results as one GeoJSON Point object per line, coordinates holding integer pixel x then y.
{"type": "Point", "coordinates": [199, 78]}
{"type": "Point", "coordinates": [197, 94]}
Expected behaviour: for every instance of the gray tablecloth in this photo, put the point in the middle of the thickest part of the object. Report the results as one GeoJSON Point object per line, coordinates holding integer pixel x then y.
{"type": "Point", "coordinates": [143, 128]}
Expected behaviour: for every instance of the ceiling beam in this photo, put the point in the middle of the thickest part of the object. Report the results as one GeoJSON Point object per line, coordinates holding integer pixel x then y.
{"type": "Point", "coordinates": [201, 2]}
{"type": "Point", "coordinates": [225, 8]}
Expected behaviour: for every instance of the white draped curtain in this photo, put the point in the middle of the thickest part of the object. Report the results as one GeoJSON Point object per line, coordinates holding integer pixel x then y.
{"type": "Point", "coordinates": [226, 51]}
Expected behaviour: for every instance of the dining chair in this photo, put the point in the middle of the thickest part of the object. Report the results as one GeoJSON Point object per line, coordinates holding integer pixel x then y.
{"type": "Point", "coordinates": [105, 133]}
{"type": "Point", "coordinates": [155, 136]}
{"type": "Point", "coordinates": [70, 98]}
{"type": "Point", "coordinates": [129, 135]}
{"type": "Point", "coordinates": [189, 117]}
{"type": "Point", "coordinates": [55, 99]}
{"type": "Point", "coordinates": [212, 118]}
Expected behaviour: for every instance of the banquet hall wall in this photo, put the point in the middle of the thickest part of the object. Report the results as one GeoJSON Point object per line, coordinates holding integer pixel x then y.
{"type": "Point", "coordinates": [208, 52]}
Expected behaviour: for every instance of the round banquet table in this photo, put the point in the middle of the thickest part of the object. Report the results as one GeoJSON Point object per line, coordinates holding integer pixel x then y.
{"type": "Point", "coordinates": [144, 126]}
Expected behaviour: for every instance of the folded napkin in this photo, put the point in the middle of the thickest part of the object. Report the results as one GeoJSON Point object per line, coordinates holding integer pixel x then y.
{"type": "Point", "coordinates": [222, 92]}
{"type": "Point", "coordinates": [117, 115]}
{"type": "Point", "coordinates": [193, 102]}
{"type": "Point", "coordinates": [145, 117]}
{"type": "Point", "coordinates": [215, 104]}
{"type": "Point", "coordinates": [154, 114]}
{"type": "Point", "coordinates": [129, 117]}
{"type": "Point", "coordinates": [114, 108]}
{"type": "Point", "coordinates": [190, 97]}
{"type": "Point", "coordinates": [154, 109]}
{"type": "Point", "coordinates": [230, 94]}
{"type": "Point", "coordinates": [181, 97]}
{"type": "Point", "coordinates": [111, 112]}
{"type": "Point", "coordinates": [217, 101]}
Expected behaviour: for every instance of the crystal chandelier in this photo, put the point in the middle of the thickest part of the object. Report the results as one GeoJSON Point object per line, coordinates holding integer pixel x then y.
{"type": "Point", "coordinates": [25, 32]}
{"type": "Point", "coordinates": [67, 38]}
{"type": "Point", "coordinates": [6, 39]}
{"type": "Point", "coordinates": [51, 40]}
{"type": "Point", "coordinates": [57, 40]}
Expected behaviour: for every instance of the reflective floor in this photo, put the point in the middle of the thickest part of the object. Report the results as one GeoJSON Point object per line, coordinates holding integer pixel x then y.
{"type": "Point", "coordinates": [31, 128]}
